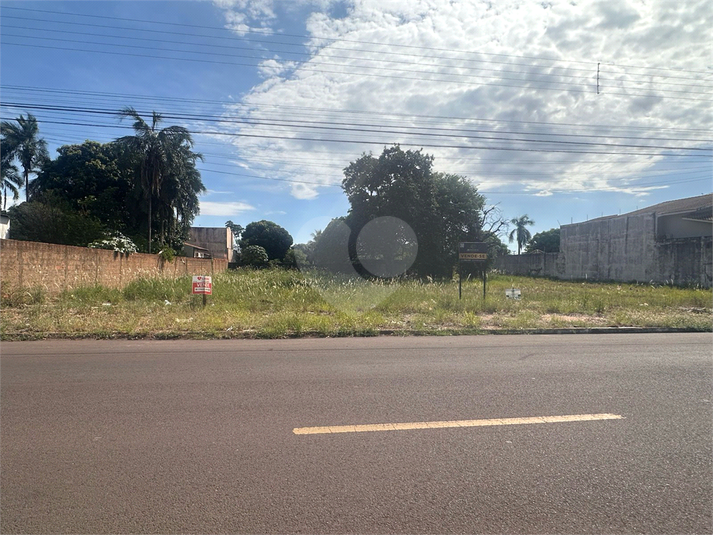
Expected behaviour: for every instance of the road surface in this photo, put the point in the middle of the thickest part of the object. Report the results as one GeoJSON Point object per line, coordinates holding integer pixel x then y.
{"type": "Point", "coordinates": [241, 436]}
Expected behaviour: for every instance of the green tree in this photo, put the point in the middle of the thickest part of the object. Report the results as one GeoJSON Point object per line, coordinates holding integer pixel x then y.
{"type": "Point", "coordinates": [294, 258]}
{"type": "Point", "coordinates": [254, 255]}
{"type": "Point", "coordinates": [165, 155]}
{"type": "Point", "coordinates": [520, 231]}
{"type": "Point", "coordinates": [442, 209]}
{"type": "Point", "coordinates": [93, 178]}
{"type": "Point", "coordinates": [270, 236]}
{"type": "Point", "coordinates": [11, 179]}
{"type": "Point", "coordinates": [49, 219]}
{"type": "Point", "coordinates": [329, 248]}
{"type": "Point", "coordinates": [179, 196]}
{"type": "Point", "coordinates": [22, 142]}
{"type": "Point", "coordinates": [237, 231]}
{"type": "Point", "coordinates": [547, 241]}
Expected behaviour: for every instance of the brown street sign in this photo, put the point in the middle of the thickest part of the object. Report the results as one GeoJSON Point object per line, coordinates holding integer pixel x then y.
{"type": "Point", "coordinates": [472, 251]}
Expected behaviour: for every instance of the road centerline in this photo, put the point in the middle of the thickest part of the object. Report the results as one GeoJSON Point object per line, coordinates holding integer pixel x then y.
{"type": "Point", "coordinates": [404, 426]}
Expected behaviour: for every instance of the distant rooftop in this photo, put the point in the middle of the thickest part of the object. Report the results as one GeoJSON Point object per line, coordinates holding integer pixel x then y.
{"type": "Point", "coordinates": [700, 205]}
{"type": "Point", "coordinates": [691, 204]}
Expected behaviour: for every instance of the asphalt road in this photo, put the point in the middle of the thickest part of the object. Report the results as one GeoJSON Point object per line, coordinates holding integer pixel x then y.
{"type": "Point", "coordinates": [197, 436]}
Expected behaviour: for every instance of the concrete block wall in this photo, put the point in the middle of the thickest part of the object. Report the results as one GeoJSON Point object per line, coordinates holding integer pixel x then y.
{"type": "Point", "coordinates": [537, 265]}
{"type": "Point", "coordinates": [615, 248]}
{"type": "Point", "coordinates": [59, 267]}
{"type": "Point", "coordinates": [685, 261]}
{"type": "Point", "coordinates": [619, 249]}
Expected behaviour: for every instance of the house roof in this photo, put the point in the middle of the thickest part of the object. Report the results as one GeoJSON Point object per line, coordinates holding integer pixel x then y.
{"type": "Point", "coordinates": [700, 208]}
{"type": "Point", "coordinates": [186, 244]}
{"type": "Point", "coordinates": [688, 205]}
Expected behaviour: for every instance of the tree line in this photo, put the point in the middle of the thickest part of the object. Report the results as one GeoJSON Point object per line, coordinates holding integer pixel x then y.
{"type": "Point", "coordinates": [142, 188]}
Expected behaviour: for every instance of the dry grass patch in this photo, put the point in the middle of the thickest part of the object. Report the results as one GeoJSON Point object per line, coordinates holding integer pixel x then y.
{"type": "Point", "coordinates": [276, 303]}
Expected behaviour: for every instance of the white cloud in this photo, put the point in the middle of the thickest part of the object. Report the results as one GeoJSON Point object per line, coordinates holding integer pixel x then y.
{"type": "Point", "coordinates": [216, 192]}
{"type": "Point", "coordinates": [270, 68]}
{"type": "Point", "coordinates": [462, 78]}
{"type": "Point", "coordinates": [224, 208]}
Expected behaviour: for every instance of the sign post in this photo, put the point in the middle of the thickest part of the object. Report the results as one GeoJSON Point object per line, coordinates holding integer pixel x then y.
{"type": "Point", "coordinates": [473, 252]}
{"type": "Point", "coordinates": [202, 284]}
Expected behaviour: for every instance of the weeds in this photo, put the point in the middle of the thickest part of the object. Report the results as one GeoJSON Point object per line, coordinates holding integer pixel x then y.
{"type": "Point", "coordinates": [276, 303]}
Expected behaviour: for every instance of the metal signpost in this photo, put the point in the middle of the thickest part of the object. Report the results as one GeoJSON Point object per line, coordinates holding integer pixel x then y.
{"type": "Point", "coordinates": [202, 284]}
{"type": "Point", "coordinates": [474, 252]}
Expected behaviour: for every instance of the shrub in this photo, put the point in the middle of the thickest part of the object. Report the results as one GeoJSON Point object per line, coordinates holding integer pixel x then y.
{"type": "Point", "coordinates": [115, 242]}
{"type": "Point", "coordinates": [254, 255]}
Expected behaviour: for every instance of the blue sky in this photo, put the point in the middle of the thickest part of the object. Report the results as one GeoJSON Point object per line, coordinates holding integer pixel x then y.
{"type": "Point", "coordinates": [282, 95]}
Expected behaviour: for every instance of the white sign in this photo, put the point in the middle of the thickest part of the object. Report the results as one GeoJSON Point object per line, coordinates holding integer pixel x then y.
{"type": "Point", "coordinates": [202, 284]}
{"type": "Point", "coordinates": [512, 293]}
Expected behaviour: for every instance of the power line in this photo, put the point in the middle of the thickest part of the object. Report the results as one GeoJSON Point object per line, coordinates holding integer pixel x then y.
{"type": "Point", "coordinates": [85, 94]}
{"type": "Point", "coordinates": [373, 142]}
{"type": "Point", "coordinates": [373, 128]}
{"type": "Point", "coordinates": [311, 63]}
{"type": "Point", "coordinates": [332, 39]}
{"type": "Point", "coordinates": [497, 177]}
{"type": "Point", "coordinates": [309, 68]}
{"type": "Point", "coordinates": [380, 59]}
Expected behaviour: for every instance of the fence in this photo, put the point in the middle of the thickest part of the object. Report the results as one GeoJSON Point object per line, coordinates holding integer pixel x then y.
{"type": "Point", "coordinates": [63, 267]}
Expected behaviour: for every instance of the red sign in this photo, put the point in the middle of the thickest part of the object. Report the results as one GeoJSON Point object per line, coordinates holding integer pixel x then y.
{"type": "Point", "coordinates": [202, 285]}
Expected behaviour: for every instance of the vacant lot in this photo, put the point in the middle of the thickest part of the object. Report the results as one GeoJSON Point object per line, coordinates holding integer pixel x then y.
{"type": "Point", "coordinates": [276, 303]}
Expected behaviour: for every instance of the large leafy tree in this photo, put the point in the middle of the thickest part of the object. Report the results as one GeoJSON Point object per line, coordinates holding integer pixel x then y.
{"type": "Point", "coordinates": [95, 179]}
{"type": "Point", "coordinates": [165, 158]}
{"type": "Point", "coordinates": [547, 241]}
{"type": "Point", "coordinates": [442, 209]}
{"type": "Point", "coordinates": [520, 232]}
{"type": "Point", "coordinates": [270, 236]}
{"type": "Point", "coordinates": [49, 218]}
{"type": "Point", "coordinates": [20, 140]}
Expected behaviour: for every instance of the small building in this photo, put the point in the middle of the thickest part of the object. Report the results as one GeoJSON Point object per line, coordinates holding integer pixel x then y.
{"type": "Point", "coordinates": [195, 251]}
{"type": "Point", "coordinates": [670, 242]}
{"type": "Point", "coordinates": [217, 241]}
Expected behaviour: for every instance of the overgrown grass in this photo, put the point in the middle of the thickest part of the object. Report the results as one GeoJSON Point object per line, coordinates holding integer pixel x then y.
{"type": "Point", "coordinates": [277, 303]}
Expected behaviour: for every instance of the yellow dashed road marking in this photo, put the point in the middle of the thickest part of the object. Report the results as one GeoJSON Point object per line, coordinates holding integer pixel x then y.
{"type": "Point", "coordinates": [453, 423]}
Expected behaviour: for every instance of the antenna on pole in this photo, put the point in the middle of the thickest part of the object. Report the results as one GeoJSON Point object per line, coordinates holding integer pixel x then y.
{"type": "Point", "coordinates": [598, 78]}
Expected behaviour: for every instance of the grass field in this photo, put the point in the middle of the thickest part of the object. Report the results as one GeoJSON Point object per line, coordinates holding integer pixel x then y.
{"type": "Point", "coordinates": [276, 303]}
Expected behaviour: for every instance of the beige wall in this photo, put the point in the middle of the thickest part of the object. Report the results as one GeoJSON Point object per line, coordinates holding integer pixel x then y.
{"type": "Point", "coordinates": [58, 267]}
{"type": "Point", "coordinates": [621, 248]}
{"type": "Point", "coordinates": [218, 240]}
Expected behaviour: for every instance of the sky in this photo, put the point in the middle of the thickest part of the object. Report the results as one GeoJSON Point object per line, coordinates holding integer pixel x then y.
{"type": "Point", "coordinates": [561, 110]}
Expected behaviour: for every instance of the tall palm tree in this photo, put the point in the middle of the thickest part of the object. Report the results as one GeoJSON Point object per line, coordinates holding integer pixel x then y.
{"type": "Point", "coordinates": [10, 177]}
{"type": "Point", "coordinates": [157, 149]}
{"type": "Point", "coordinates": [182, 184]}
{"type": "Point", "coordinates": [520, 232]}
{"type": "Point", "coordinates": [21, 141]}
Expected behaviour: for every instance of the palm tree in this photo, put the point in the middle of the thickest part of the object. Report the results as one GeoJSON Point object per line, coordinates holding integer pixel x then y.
{"type": "Point", "coordinates": [158, 150]}
{"type": "Point", "coordinates": [11, 179]}
{"type": "Point", "coordinates": [179, 197]}
{"type": "Point", "coordinates": [20, 141]}
{"type": "Point", "coordinates": [523, 235]}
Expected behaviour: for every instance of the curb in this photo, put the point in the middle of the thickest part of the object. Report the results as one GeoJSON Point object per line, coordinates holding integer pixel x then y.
{"type": "Point", "coordinates": [193, 335]}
